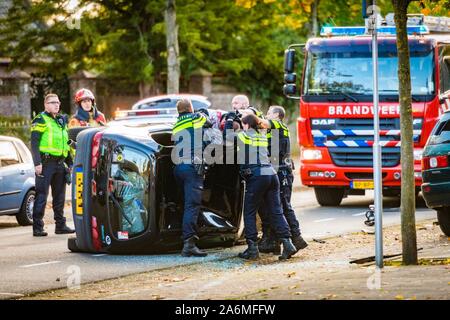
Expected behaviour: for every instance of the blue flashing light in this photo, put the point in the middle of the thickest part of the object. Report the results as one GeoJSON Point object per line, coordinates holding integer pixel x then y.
{"type": "Point", "coordinates": [342, 31]}
{"type": "Point", "coordinates": [357, 31]}
{"type": "Point", "coordinates": [420, 29]}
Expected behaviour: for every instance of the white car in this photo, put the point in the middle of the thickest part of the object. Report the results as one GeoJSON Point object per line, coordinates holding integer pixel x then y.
{"type": "Point", "coordinates": [170, 101]}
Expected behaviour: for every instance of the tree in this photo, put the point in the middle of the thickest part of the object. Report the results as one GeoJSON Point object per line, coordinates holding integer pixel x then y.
{"type": "Point", "coordinates": [408, 199]}
{"type": "Point", "coordinates": [173, 61]}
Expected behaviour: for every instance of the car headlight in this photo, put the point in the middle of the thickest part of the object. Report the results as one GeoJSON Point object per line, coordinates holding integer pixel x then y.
{"type": "Point", "coordinates": [309, 154]}
{"type": "Point", "coordinates": [418, 155]}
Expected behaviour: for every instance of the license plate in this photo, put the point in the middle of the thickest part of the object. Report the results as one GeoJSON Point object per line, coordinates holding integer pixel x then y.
{"type": "Point", "coordinates": [79, 191]}
{"type": "Point", "coordinates": [361, 184]}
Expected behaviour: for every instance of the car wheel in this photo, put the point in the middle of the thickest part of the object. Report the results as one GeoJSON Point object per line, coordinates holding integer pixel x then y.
{"type": "Point", "coordinates": [329, 197]}
{"type": "Point", "coordinates": [443, 216]}
{"type": "Point", "coordinates": [25, 215]}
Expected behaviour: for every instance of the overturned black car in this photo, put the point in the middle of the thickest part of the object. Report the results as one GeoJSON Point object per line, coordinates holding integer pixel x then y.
{"type": "Point", "coordinates": [125, 199]}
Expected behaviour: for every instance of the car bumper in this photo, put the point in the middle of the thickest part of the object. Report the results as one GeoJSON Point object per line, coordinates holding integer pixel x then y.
{"type": "Point", "coordinates": [436, 194]}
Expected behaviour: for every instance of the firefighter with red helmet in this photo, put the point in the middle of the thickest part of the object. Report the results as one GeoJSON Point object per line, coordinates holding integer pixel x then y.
{"type": "Point", "coordinates": [87, 114]}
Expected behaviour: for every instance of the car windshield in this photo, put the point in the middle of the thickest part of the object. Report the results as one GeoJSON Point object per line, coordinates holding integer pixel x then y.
{"type": "Point", "coordinates": [441, 134]}
{"type": "Point", "coordinates": [129, 174]}
{"type": "Point", "coordinates": [348, 70]}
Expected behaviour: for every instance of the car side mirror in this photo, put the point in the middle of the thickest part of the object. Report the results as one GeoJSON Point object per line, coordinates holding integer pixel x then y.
{"type": "Point", "coordinates": [289, 89]}
{"type": "Point", "coordinates": [289, 60]}
{"type": "Point", "coordinates": [290, 78]}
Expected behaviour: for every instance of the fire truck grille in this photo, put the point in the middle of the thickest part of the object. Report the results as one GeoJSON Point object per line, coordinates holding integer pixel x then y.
{"type": "Point", "coordinates": [363, 157]}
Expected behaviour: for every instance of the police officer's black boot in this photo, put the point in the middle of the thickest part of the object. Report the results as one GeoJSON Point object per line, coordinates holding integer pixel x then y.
{"type": "Point", "coordinates": [252, 252]}
{"type": "Point", "coordinates": [288, 249]}
{"type": "Point", "coordinates": [268, 243]}
{"type": "Point", "coordinates": [190, 249]}
{"type": "Point", "coordinates": [299, 242]}
{"type": "Point", "coordinates": [264, 243]}
{"type": "Point", "coordinates": [63, 229]}
{"type": "Point", "coordinates": [39, 233]}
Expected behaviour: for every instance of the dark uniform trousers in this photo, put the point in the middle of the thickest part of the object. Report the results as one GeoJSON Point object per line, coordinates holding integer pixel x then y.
{"type": "Point", "coordinates": [187, 176]}
{"type": "Point", "coordinates": [286, 179]}
{"type": "Point", "coordinates": [264, 189]}
{"type": "Point", "coordinates": [53, 174]}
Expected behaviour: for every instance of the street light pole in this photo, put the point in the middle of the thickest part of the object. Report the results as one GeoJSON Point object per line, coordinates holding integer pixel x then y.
{"type": "Point", "coordinates": [376, 145]}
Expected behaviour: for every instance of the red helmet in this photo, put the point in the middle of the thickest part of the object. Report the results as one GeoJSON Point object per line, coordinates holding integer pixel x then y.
{"type": "Point", "coordinates": [83, 94]}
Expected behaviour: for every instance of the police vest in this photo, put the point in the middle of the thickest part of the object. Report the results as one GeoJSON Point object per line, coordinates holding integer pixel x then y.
{"type": "Point", "coordinates": [54, 137]}
{"type": "Point", "coordinates": [255, 156]}
{"type": "Point", "coordinates": [185, 132]}
{"type": "Point", "coordinates": [284, 142]}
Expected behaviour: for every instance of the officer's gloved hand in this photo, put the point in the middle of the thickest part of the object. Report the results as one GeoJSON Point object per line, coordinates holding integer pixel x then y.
{"type": "Point", "coordinates": [203, 111]}
{"type": "Point", "coordinates": [230, 116]}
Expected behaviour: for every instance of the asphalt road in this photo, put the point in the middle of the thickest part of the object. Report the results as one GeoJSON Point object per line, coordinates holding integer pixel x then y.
{"type": "Point", "coordinates": [30, 264]}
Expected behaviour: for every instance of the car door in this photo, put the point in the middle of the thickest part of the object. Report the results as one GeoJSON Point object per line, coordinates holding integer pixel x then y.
{"type": "Point", "coordinates": [13, 177]}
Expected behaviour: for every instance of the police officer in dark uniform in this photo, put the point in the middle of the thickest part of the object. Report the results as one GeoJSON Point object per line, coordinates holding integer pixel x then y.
{"type": "Point", "coordinates": [284, 166]}
{"type": "Point", "coordinates": [189, 170]}
{"type": "Point", "coordinates": [262, 185]}
{"type": "Point", "coordinates": [50, 150]}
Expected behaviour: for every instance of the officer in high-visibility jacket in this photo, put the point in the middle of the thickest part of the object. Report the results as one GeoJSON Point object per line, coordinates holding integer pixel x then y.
{"type": "Point", "coordinates": [187, 154]}
{"type": "Point", "coordinates": [50, 150]}
{"type": "Point", "coordinates": [262, 185]}
{"type": "Point", "coordinates": [281, 159]}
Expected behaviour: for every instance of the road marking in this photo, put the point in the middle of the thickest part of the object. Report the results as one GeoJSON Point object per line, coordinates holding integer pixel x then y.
{"type": "Point", "coordinates": [39, 264]}
{"type": "Point", "coordinates": [11, 294]}
{"type": "Point", "coordinates": [324, 220]}
{"type": "Point", "coordinates": [358, 214]}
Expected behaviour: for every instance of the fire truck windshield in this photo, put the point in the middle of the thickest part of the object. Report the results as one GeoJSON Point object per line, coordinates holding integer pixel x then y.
{"type": "Point", "coordinates": [346, 71]}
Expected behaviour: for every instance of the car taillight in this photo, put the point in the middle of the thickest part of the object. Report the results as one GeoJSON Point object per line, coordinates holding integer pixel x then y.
{"type": "Point", "coordinates": [95, 234]}
{"type": "Point", "coordinates": [434, 162]}
{"type": "Point", "coordinates": [95, 152]}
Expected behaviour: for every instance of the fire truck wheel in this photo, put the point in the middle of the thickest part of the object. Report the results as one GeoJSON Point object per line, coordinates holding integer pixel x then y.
{"type": "Point", "coordinates": [443, 216]}
{"type": "Point", "coordinates": [329, 197]}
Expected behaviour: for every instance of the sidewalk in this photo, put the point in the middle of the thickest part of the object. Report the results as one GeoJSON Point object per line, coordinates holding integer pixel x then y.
{"type": "Point", "coordinates": [322, 271]}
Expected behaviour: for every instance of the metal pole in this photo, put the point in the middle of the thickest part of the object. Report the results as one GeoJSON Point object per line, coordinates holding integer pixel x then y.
{"type": "Point", "coordinates": [376, 147]}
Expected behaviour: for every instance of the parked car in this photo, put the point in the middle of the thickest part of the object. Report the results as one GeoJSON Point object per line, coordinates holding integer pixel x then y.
{"type": "Point", "coordinates": [170, 101]}
{"type": "Point", "coordinates": [17, 180]}
{"type": "Point", "coordinates": [125, 198]}
{"type": "Point", "coordinates": [436, 172]}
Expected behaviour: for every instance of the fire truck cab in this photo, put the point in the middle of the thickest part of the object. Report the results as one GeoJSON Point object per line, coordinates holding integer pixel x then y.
{"type": "Point", "coordinates": [335, 125]}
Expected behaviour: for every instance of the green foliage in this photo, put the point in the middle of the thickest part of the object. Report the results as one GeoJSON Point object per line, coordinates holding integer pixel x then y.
{"type": "Point", "coordinates": [243, 40]}
{"type": "Point", "coordinates": [15, 126]}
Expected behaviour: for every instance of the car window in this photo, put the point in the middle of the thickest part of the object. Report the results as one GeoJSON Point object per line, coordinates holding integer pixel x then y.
{"type": "Point", "coordinates": [159, 104]}
{"type": "Point", "coordinates": [441, 134]}
{"type": "Point", "coordinates": [129, 172]}
{"type": "Point", "coordinates": [24, 155]}
{"type": "Point", "coordinates": [8, 154]}
{"type": "Point", "coordinates": [199, 105]}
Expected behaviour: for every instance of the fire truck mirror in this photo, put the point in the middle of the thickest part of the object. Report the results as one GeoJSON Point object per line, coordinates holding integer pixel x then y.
{"type": "Point", "coordinates": [289, 60]}
{"type": "Point", "coordinates": [290, 78]}
{"type": "Point", "coordinates": [289, 89]}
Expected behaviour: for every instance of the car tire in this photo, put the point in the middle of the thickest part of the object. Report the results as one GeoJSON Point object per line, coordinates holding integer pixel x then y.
{"type": "Point", "coordinates": [25, 215]}
{"type": "Point", "coordinates": [73, 132]}
{"type": "Point", "coordinates": [443, 216]}
{"type": "Point", "coordinates": [329, 197]}
{"type": "Point", "coordinates": [72, 244]}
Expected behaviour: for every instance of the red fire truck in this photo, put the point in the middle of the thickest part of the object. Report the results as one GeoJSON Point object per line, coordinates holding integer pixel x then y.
{"type": "Point", "coordinates": [335, 126]}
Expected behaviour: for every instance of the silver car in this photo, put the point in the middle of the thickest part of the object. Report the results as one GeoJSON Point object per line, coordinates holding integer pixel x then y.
{"type": "Point", "coordinates": [17, 180]}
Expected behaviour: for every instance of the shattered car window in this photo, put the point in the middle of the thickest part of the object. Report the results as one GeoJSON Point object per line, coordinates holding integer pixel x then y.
{"type": "Point", "coordinates": [129, 172]}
